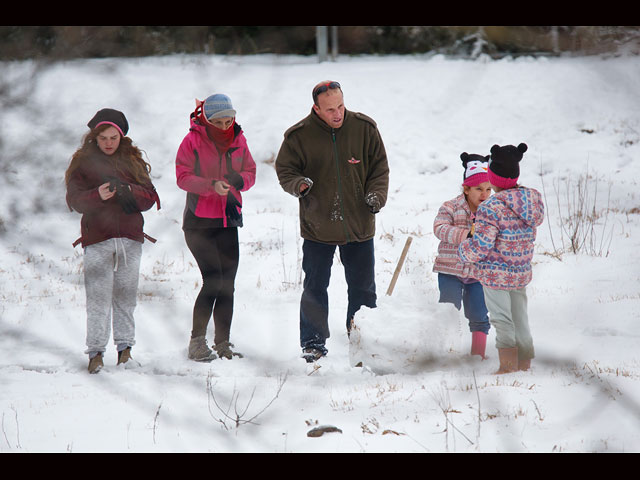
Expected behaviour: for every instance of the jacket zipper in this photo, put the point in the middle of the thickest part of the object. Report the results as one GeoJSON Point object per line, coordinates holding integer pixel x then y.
{"type": "Point", "coordinates": [335, 154]}
{"type": "Point", "coordinates": [224, 212]}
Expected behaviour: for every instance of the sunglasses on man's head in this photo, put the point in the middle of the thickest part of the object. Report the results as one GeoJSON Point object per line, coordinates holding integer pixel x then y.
{"type": "Point", "coordinates": [323, 88]}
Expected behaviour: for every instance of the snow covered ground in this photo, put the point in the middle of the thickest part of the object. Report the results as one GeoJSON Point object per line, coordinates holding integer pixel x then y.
{"type": "Point", "coordinates": [419, 390]}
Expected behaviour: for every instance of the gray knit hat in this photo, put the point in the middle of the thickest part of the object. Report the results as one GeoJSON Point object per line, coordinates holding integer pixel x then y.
{"type": "Point", "coordinates": [217, 106]}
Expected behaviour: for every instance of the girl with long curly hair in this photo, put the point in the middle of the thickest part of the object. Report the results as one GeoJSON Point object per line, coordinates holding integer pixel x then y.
{"type": "Point", "coordinates": [108, 182]}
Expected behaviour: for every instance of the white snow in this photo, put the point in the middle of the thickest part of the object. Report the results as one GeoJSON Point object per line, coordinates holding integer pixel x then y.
{"type": "Point", "coordinates": [419, 390]}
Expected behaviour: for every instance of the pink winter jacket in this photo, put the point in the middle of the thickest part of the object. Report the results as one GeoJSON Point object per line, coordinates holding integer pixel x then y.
{"type": "Point", "coordinates": [503, 242]}
{"type": "Point", "coordinates": [199, 165]}
{"type": "Point", "coordinates": [451, 226]}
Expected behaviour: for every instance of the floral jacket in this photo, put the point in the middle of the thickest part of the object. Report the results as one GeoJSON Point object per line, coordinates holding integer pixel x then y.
{"type": "Point", "coordinates": [503, 242]}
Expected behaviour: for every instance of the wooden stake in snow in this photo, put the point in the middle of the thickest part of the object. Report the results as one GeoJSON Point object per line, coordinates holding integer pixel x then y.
{"type": "Point", "coordinates": [399, 266]}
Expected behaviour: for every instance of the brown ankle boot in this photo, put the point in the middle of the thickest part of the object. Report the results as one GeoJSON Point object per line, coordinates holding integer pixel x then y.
{"type": "Point", "coordinates": [96, 363]}
{"type": "Point", "coordinates": [124, 355]}
{"type": "Point", "coordinates": [524, 364]}
{"type": "Point", "coordinates": [508, 360]}
{"type": "Point", "coordinates": [199, 351]}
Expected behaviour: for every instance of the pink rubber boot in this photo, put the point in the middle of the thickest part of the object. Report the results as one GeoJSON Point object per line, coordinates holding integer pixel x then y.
{"type": "Point", "coordinates": [478, 343]}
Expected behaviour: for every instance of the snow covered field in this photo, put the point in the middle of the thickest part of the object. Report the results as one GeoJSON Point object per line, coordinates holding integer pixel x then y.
{"type": "Point", "coordinates": [419, 390]}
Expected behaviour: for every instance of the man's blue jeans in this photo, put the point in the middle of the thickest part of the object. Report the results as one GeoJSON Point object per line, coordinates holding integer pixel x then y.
{"type": "Point", "coordinates": [471, 295]}
{"type": "Point", "coordinates": [358, 261]}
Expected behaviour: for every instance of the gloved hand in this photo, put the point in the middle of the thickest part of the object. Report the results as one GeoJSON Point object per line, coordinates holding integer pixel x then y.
{"type": "Point", "coordinates": [113, 183]}
{"type": "Point", "coordinates": [124, 195]}
{"type": "Point", "coordinates": [305, 186]}
{"type": "Point", "coordinates": [235, 179]}
{"type": "Point", "coordinates": [373, 202]}
{"type": "Point", "coordinates": [126, 199]}
{"type": "Point", "coordinates": [232, 208]}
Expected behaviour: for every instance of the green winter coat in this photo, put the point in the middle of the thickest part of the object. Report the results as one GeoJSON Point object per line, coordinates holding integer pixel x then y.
{"type": "Point", "coordinates": [343, 166]}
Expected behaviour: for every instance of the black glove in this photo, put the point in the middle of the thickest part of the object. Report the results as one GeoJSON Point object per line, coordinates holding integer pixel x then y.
{"type": "Point", "coordinates": [124, 195]}
{"type": "Point", "coordinates": [235, 179]}
{"type": "Point", "coordinates": [126, 199]}
{"type": "Point", "coordinates": [373, 202]}
{"type": "Point", "coordinates": [231, 209]}
{"type": "Point", "coordinates": [113, 183]}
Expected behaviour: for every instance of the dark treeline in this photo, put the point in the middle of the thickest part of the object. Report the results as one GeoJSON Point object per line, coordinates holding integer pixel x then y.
{"type": "Point", "coordinates": [69, 42]}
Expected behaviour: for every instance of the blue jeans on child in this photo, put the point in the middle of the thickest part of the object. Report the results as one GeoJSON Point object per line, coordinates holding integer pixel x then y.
{"type": "Point", "coordinates": [358, 261]}
{"type": "Point", "coordinates": [470, 295]}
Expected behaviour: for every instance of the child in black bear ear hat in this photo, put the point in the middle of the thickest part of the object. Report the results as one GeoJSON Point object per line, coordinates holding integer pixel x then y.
{"type": "Point", "coordinates": [457, 281]}
{"type": "Point", "coordinates": [504, 165]}
{"type": "Point", "coordinates": [502, 248]}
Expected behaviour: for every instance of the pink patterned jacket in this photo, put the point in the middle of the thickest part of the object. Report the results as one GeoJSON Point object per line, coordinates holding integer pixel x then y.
{"type": "Point", "coordinates": [451, 226]}
{"type": "Point", "coordinates": [503, 242]}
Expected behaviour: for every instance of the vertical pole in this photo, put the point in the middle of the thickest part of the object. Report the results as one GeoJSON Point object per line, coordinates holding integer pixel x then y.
{"type": "Point", "coordinates": [334, 43]}
{"type": "Point", "coordinates": [322, 43]}
{"type": "Point", "coordinates": [554, 40]}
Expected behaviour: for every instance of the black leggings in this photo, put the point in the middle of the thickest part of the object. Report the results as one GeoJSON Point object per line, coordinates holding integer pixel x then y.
{"type": "Point", "coordinates": [217, 253]}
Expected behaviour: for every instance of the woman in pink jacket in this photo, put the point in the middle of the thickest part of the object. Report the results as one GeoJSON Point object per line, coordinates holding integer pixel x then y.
{"type": "Point", "coordinates": [213, 166]}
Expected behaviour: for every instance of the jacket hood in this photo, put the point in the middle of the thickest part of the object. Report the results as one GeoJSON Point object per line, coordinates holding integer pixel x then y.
{"type": "Point", "coordinates": [526, 203]}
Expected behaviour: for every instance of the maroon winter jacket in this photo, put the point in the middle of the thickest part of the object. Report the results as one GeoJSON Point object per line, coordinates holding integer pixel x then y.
{"type": "Point", "coordinates": [104, 219]}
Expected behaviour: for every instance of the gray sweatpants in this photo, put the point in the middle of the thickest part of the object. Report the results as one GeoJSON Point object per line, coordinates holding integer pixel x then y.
{"type": "Point", "coordinates": [111, 272]}
{"type": "Point", "coordinates": [508, 315]}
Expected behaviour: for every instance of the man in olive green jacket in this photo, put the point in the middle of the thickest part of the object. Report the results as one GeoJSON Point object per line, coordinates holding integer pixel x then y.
{"type": "Point", "coordinates": [335, 162]}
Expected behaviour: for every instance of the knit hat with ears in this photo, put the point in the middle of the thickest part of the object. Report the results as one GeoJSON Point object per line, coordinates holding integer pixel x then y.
{"type": "Point", "coordinates": [504, 168]}
{"type": "Point", "coordinates": [111, 117]}
{"type": "Point", "coordinates": [475, 169]}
